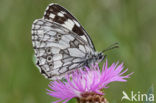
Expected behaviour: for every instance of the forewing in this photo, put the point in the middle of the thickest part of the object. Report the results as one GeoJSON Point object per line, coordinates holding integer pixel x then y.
{"type": "Point", "coordinates": [58, 50]}
{"type": "Point", "coordinates": [56, 13]}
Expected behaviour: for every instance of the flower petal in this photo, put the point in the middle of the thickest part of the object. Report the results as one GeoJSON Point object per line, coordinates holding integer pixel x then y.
{"type": "Point", "coordinates": [88, 80]}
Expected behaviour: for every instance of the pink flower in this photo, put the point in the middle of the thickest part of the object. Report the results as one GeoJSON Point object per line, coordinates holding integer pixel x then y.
{"type": "Point", "coordinates": [87, 81]}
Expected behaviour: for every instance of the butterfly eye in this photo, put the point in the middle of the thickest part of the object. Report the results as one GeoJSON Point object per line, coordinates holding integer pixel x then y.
{"type": "Point", "coordinates": [100, 57]}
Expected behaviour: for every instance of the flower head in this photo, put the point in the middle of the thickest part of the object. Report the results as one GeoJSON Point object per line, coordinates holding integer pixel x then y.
{"type": "Point", "coordinates": [88, 81]}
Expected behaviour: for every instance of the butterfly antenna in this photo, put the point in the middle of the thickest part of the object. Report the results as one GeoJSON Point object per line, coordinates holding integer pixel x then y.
{"type": "Point", "coordinates": [113, 46]}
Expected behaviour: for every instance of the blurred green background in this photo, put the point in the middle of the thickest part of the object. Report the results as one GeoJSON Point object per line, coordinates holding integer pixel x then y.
{"type": "Point", "coordinates": [132, 23]}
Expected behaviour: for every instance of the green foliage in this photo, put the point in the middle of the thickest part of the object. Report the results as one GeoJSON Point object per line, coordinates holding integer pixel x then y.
{"type": "Point", "coordinates": [132, 23]}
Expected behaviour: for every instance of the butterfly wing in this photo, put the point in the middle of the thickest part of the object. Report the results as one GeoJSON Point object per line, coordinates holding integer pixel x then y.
{"type": "Point", "coordinates": [60, 43]}
{"type": "Point", "coordinates": [58, 50]}
{"type": "Point", "coordinates": [58, 14]}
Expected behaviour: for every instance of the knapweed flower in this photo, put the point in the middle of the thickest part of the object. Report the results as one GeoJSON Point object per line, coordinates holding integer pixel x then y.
{"type": "Point", "coordinates": [87, 85]}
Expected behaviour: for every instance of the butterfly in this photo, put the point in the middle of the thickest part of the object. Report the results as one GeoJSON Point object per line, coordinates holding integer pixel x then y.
{"type": "Point", "coordinates": [61, 44]}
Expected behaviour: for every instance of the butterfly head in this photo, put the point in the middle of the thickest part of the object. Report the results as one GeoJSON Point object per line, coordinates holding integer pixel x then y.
{"type": "Point", "coordinates": [100, 57]}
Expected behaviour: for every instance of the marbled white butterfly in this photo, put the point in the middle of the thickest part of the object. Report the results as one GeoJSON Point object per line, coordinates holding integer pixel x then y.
{"type": "Point", "coordinates": [61, 44]}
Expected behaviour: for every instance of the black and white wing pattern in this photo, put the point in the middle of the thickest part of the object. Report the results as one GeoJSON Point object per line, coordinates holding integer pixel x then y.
{"type": "Point", "coordinates": [60, 43]}
{"type": "Point", "coordinates": [60, 15]}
